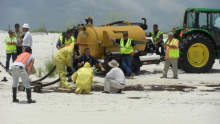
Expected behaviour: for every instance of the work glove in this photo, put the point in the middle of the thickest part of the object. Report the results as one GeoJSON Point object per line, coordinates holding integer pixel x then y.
{"type": "Point", "coordinates": [69, 69]}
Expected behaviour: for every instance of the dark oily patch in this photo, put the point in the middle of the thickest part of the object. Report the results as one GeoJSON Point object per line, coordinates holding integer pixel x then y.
{"type": "Point", "coordinates": [137, 87]}
{"type": "Point", "coordinates": [207, 90]}
{"type": "Point", "coordinates": [97, 88]}
{"type": "Point", "coordinates": [170, 88]}
{"type": "Point", "coordinates": [134, 97]}
{"type": "Point", "coordinates": [57, 90]}
{"type": "Point", "coordinates": [212, 85]}
{"type": "Point", "coordinates": [212, 90]}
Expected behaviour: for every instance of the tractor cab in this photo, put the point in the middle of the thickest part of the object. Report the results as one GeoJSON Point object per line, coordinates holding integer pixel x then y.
{"type": "Point", "coordinates": [203, 19]}
{"type": "Point", "coordinates": [199, 39]}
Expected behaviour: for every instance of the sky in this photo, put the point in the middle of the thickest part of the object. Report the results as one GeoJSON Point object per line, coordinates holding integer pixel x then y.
{"type": "Point", "coordinates": [56, 13]}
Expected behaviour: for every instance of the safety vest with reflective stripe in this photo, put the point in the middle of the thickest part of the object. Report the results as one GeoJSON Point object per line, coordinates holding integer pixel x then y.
{"type": "Point", "coordinates": [66, 43]}
{"type": "Point", "coordinates": [10, 48]}
{"type": "Point", "coordinates": [15, 34]}
{"type": "Point", "coordinates": [156, 38]}
{"type": "Point", "coordinates": [126, 49]}
{"type": "Point", "coordinates": [19, 42]}
{"type": "Point", "coordinates": [173, 53]}
{"type": "Point", "coordinates": [23, 58]}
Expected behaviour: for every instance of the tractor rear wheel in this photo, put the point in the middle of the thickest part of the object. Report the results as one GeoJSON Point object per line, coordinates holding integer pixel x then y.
{"type": "Point", "coordinates": [197, 54]}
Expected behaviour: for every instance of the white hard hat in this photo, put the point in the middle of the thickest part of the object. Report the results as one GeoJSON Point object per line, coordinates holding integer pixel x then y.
{"type": "Point", "coordinates": [26, 25]}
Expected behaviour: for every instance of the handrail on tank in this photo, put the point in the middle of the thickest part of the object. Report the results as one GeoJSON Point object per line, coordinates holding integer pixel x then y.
{"type": "Point", "coordinates": [145, 22]}
{"type": "Point", "coordinates": [127, 22]}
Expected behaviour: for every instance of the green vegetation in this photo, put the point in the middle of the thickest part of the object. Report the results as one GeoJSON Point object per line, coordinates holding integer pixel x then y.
{"type": "Point", "coordinates": [40, 29]}
{"type": "Point", "coordinates": [49, 64]}
{"type": "Point", "coordinates": [68, 24]}
{"type": "Point", "coordinates": [115, 16]}
{"type": "Point", "coordinates": [40, 72]}
{"type": "Point", "coordinates": [41, 26]}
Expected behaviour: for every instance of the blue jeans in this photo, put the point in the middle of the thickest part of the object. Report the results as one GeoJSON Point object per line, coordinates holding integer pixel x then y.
{"type": "Point", "coordinates": [157, 46]}
{"type": "Point", "coordinates": [126, 62]}
{"type": "Point", "coordinates": [8, 57]}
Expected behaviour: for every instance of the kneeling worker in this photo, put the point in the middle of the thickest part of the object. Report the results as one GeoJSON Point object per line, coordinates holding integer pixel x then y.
{"type": "Point", "coordinates": [83, 79]}
{"type": "Point", "coordinates": [63, 58]}
{"type": "Point", "coordinates": [115, 79]}
{"type": "Point", "coordinates": [23, 61]}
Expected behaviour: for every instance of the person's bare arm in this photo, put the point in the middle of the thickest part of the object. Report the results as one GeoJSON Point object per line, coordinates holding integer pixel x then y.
{"type": "Point", "coordinates": [100, 65]}
{"type": "Point", "coordinates": [158, 41]}
{"type": "Point", "coordinates": [175, 46]}
{"type": "Point", "coordinates": [134, 48]}
{"type": "Point", "coordinates": [172, 46]}
{"type": "Point", "coordinates": [30, 68]}
{"type": "Point", "coordinates": [80, 64]}
{"type": "Point", "coordinates": [19, 36]}
{"type": "Point", "coordinates": [58, 47]}
{"type": "Point", "coordinates": [111, 38]}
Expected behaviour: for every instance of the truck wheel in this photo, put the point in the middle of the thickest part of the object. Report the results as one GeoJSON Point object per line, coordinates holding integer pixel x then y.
{"type": "Point", "coordinates": [135, 67]}
{"type": "Point", "coordinates": [197, 54]}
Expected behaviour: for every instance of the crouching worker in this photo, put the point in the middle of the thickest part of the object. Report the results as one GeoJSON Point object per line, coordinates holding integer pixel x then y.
{"type": "Point", "coordinates": [23, 61]}
{"type": "Point", "coordinates": [61, 59]}
{"type": "Point", "coordinates": [83, 79]}
{"type": "Point", "coordinates": [115, 79]}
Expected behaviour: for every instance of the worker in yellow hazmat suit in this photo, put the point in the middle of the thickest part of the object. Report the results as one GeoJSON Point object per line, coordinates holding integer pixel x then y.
{"type": "Point", "coordinates": [83, 79]}
{"type": "Point", "coordinates": [63, 58]}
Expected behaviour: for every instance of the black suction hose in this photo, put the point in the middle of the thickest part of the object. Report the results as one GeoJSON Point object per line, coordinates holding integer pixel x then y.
{"type": "Point", "coordinates": [51, 83]}
{"type": "Point", "coordinates": [54, 67]}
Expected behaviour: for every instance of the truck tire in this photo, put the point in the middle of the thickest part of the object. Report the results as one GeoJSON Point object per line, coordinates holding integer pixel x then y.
{"type": "Point", "coordinates": [197, 54]}
{"type": "Point", "coordinates": [135, 67]}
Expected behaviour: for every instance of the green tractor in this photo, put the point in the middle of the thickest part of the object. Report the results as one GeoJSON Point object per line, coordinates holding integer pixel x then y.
{"type": "Point", "coordinates": [199, 39]}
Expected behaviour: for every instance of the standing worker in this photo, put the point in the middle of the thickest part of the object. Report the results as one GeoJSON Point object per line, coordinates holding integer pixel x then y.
{"type": "Point", "coordinates": [83, 79]}
{"type": "Point", "coordinates": [64, 41]}
{"type": "Point", "coordinates": [172, 55]}
{"type": "Point", "coordinates": [63, 58]}
{"type": "Point", "coordinates": [23, 61]}
{"type": "Point", "coordinates": [157, 36]}
{"type": "Point", "coordinates": [127, 48]}
{"type": "Point", "coordinates": [18, 34]}
{"type": "Point", "coordinates": [27, 40]}
{"type": "Point", "coordinates": [11, 49]}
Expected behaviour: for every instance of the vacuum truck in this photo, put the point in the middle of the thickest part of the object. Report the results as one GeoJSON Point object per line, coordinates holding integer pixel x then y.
{"type": "Point", "coordinates": [101, 47]}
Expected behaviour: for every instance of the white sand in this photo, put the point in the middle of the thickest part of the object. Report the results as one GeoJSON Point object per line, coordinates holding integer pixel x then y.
{"type": "Point", "coordinates": [153, 107]}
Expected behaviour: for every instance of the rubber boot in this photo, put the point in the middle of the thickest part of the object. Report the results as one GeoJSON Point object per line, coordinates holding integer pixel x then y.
{"type": "Point", "coordinates": [14, 96]}
{"type": "Point", "coordinates": [28, 91]}
{"type": "Point", "coordinates": [66, 85]}
{"type": "Point", "coordinates": [69, 79]}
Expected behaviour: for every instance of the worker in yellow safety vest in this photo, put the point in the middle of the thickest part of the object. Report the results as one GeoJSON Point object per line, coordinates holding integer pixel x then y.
{"type": "Point", "coordinates": [172, 55]}
{"type": "Point", "coordinates": [11, 50]}
{"type": "Point", "coordinates": [65, 40]}
{"type": "Point", "coordinates": [127, 48]}
{"type": "Point", "coordinates": [157, 36]}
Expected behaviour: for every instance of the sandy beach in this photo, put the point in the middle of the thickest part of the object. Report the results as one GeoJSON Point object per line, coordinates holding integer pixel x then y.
{"type": "Point", "coordinates": [147, 99]}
